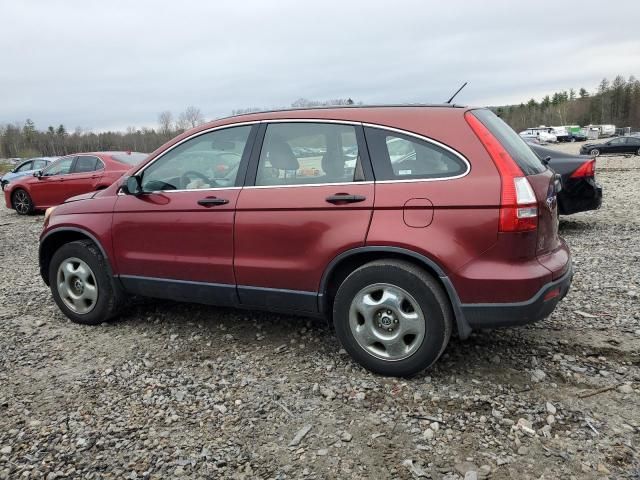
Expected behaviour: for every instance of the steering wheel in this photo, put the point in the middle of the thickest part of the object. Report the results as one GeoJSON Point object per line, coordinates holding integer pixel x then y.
{"type": "Point", "coordinates": [185, 178]}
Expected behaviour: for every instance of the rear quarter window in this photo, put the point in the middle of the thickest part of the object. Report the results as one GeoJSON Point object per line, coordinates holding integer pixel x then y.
{"type": "Point", "coordinates": [132, 158]}
{"type": "Point", "coordinates": [397, 156]}
{"type": "Point", "coordinates": [528, 161]}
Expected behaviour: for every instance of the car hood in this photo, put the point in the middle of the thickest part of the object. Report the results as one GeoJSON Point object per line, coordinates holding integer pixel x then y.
{"type": "Point", "coordinates": [84, 196]}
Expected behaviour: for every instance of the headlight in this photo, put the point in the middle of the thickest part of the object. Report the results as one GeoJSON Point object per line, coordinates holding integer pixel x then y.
{"type": "Point", "coordinates": [47, 213]}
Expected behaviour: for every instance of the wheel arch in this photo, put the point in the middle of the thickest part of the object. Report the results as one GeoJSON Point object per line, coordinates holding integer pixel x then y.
{"type": "Point", "coordinates": [346, 262]}
{"type": "Point", "coordinates": [58, 237]}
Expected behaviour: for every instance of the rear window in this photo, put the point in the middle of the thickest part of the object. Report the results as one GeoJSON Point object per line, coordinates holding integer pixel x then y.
{"type": "Point", "coordinates": [528, 161]}
{"type": "Point", "coordinates": [129, 158]}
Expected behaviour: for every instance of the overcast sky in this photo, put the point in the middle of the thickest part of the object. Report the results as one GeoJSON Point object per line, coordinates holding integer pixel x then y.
{"type": "Point", "coordinates": [112, 64]}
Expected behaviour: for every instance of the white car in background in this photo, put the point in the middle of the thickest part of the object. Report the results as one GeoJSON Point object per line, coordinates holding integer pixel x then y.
{"type": "Point", "coordinates": [539, 135]}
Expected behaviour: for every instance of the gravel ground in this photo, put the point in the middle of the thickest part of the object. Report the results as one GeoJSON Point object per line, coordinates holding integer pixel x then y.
{"type": "Point", "coordinates": [176, 390]}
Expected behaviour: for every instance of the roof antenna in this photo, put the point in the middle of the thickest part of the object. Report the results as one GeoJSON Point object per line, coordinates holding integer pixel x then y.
{"type": "Point", "coordinates": [457, 92]}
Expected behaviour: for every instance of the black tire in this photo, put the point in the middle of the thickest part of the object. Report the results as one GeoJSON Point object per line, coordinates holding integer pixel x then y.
{"type": "Point", "coordinates": [595, 152]}
{"type": "Point", "coordinates": [109, 296]}
{"type": "Point", "coordinates": [21, 202]}
{"type": "Point", "coordinates": [425, 290]}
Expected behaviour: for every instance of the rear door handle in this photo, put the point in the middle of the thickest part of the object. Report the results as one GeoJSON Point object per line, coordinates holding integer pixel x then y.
{"type": "Point", "coordinates": [345, 198]}
{"type": "Point", "coordinates": [212, 202]}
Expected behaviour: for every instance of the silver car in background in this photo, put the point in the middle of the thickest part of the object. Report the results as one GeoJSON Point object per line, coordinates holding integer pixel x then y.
{"type": "Point", "coordinates": [26, 167]}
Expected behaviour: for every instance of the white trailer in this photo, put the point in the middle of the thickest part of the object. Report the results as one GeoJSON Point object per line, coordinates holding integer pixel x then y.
{"type": "Point", "coordinates": [607, 130]}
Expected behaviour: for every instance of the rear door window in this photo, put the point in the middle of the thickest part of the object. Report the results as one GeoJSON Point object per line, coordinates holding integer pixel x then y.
{"type": "Point", "coordinates": [308, 153]}
{"type": "Point", "coordinates": [528, 162]}
{"type": "Point", "coordinates": [39, 164]}
{"type": "Point", "coordinates": [397, 156]}
{"type": "Point", "coordinates": [86, 164]}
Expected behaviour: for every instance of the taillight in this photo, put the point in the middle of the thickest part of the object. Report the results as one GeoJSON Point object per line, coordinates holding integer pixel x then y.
{"type": "Point", "coordinates": [518, 203]}
{"type": "Point", "coordinates": [587, 169]}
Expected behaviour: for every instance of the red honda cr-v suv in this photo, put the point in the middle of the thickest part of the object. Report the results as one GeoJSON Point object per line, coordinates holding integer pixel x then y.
{"type": "Point", "coordinates": [400, 224]}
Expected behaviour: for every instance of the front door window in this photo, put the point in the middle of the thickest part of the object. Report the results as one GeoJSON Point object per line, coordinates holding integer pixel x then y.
{"type": "Point", "coordinates": [60, 167]}
{"type": "Point", "coordinates": [208, 161]}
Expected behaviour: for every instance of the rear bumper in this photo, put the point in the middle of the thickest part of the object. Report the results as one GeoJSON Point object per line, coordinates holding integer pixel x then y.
{"type": "Point", "coordinates": [580, 196]}
{"type": "Point", "coordinates": [540, 306]}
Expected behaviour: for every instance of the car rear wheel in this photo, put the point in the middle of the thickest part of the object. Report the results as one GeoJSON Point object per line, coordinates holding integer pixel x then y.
{"type": "Point", "coordinates": [81, 285]}
{"type": "Point", "coordinates": [594, 152]}
{"type": "Point", "coordinates": [392, 317]}
{"type": "Point", "coordinates": [21, 202]}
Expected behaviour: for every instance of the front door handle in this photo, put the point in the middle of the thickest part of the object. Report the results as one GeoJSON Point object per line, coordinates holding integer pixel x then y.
{"type": "Point", "coordinates": [339, 198]}
{"type": "Point", "coordinates": [212, 202]}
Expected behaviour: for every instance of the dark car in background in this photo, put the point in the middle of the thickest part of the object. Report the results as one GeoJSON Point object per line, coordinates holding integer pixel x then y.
{"type": "Point", "coordinates": [25, 168]}
{"type": "Point", "coordinates": [616, 145]}
{"type": "Point", "coordinates": [580, 191]}
{"type": "Point", "coordinates": [577, 136]}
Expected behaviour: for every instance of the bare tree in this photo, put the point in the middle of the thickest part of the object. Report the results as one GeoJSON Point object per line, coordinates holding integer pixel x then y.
{"type": "Point", "coordinates": [165, 119]}
{"type": "Point", "coordinates": [191, 117]}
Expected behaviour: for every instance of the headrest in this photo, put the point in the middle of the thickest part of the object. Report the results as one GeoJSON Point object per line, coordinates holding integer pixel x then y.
{"type": "Point", "coordinates": [279, 153]}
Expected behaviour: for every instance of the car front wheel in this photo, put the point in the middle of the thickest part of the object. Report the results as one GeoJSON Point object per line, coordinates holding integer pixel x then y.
{"type": "Point", "coordinates": [21, 202]}
{"type": "Point", "coordinates": [594, 152]}
{"type": "Point", "coordinates": [81, 285]}
{"type": "Point", "coordinates": [392, 317]}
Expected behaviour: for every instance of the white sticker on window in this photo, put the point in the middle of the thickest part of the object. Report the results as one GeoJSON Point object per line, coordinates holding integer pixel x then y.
{"type": "Point", "coordinates": [404, 172]}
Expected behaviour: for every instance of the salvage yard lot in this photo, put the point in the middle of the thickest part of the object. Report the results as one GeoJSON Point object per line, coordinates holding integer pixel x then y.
{"type": "Point", "coordinates": [183, 390]}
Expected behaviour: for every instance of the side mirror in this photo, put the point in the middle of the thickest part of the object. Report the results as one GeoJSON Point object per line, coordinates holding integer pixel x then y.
{"type": "Point", "coordinates": [132, 185]}
{"type": "Point", "coordinates": [37, 173]}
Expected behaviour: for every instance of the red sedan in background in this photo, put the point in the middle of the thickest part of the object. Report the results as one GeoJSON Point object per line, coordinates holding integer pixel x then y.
{"type": "Point", "coordinates": [66, 177]}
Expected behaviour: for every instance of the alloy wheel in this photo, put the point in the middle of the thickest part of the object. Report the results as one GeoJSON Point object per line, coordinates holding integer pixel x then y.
{"type": "Point", "coordinates": [387, 321]}
{"type": "Point", "coordinates": [77, 285]}
{"type": "Point", "coordinates": [21, 202]}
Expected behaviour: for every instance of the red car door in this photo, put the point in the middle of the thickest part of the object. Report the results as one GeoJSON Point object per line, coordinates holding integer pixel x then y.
{"type": "Point", "coordinates": [84, 176]}
{"type": "Point", "coordinates": [49, 189]}
{"type": "Point", "coordinates": [175, 240]}
{"type": "Point", "coordinates": [305, 202]}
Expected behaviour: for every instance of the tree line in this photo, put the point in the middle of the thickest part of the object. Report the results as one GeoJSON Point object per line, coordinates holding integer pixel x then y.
{"type": "Point", "coordinates": [25, 140]}
{"type": "Point", "coordinates": [616, 102]}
